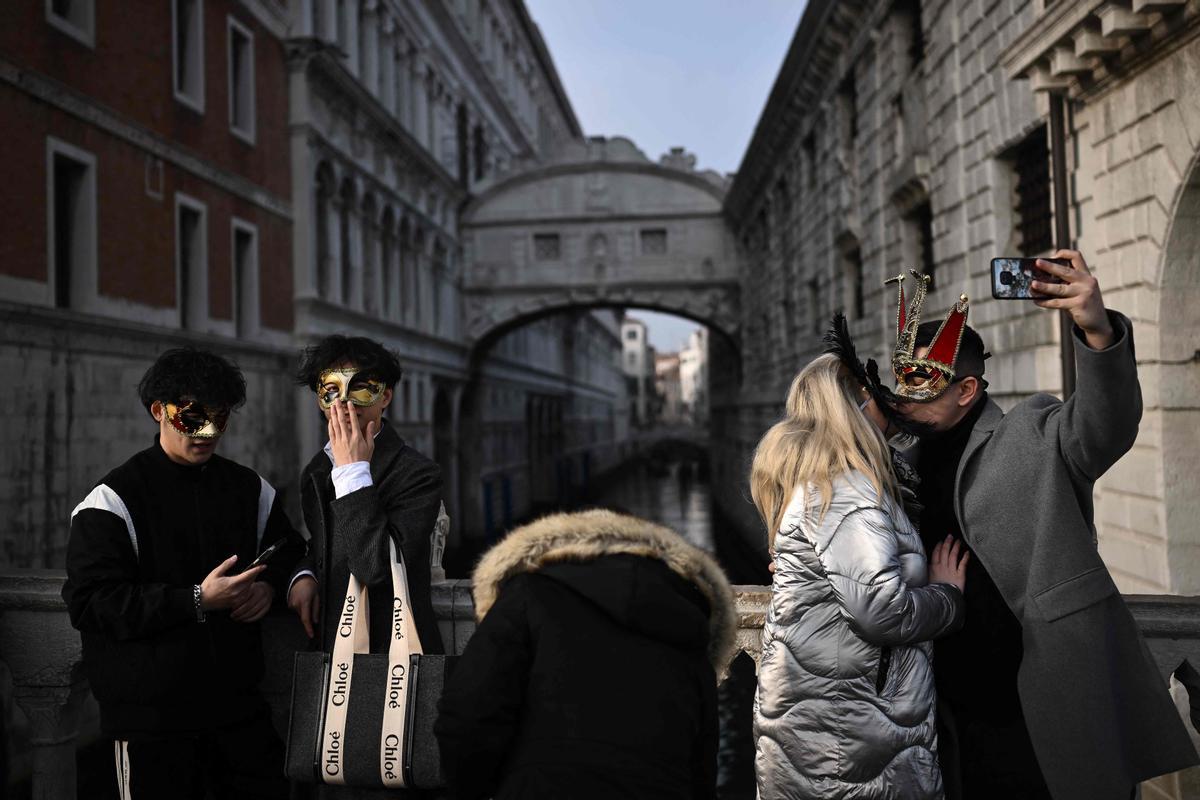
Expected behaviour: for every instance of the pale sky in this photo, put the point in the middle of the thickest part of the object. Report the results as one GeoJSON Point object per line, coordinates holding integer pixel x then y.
{"type": "Point", "coordinates": [690, 73]}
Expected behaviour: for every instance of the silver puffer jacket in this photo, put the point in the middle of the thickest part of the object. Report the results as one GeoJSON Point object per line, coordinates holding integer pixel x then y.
{"type": "Point", "coordinates": [845, 703]}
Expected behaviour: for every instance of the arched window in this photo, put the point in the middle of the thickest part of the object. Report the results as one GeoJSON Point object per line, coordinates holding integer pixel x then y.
{"type": "Point", "coordinates": [345, 238]}
{"type": "Point", "coordinates": [322, 258]}
{"type": "Point", "coordinates": [370, 256]}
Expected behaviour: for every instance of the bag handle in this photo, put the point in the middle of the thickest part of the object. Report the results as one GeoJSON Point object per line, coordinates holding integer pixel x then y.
{"type": "Point", "coordinates": [353, 637]}
{"type": "Point", "coordinates": [404, 643]}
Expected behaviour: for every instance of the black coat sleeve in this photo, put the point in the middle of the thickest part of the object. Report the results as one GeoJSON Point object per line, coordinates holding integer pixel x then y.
{"type": "Point", "coordinates": [103, 590]}
{"type": "Point", "coordinates": [704, 774]}
{"type": "Point", "coordinates": [480, 709]}
{"type": "Point", "coordinates": [404, 506]}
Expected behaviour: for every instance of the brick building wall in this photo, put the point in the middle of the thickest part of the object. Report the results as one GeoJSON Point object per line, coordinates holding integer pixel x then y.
{"type": "Point", "coordinates": [99, 101]}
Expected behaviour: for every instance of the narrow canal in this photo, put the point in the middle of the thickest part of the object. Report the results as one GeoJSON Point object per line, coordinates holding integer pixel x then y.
{"type": "Point", "coordinates": [674, 490]}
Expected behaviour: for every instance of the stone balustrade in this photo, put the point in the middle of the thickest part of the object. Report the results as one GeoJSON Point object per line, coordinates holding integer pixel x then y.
{"type": "Point", "coordinates": [46, 709]}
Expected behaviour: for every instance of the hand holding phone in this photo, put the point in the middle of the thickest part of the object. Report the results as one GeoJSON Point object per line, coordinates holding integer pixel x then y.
{"type": "Point", "coordinates": [266, 555]}
{"type": "Point", "coordinates": [1012, 278]}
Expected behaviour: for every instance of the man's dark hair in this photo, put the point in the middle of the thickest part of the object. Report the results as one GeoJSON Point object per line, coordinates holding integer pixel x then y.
{"type": "Point", "coordinates": [367, 354]}
{"type": "Point", "coordinates": [971, 353]}
{"type": "Point", "coordinates": [195, 374]}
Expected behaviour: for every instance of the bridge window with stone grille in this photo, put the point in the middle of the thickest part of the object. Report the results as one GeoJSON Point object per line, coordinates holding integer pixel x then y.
{"type": "Point", "coordinates": [654, 242]}
{"type": "Point", "coordinates": [547, 247]}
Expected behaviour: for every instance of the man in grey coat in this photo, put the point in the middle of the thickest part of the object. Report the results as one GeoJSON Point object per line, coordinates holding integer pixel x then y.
{"type": "Point", "coordinates": [1090, 710]}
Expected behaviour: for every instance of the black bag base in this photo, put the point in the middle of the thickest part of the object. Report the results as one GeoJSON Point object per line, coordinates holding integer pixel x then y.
{"type": "Point", "coordinates": [364, 719]}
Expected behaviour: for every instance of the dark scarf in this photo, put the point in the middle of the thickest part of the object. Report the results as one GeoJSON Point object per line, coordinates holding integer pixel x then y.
{"type": "Point", "coordinates": [976, 668]}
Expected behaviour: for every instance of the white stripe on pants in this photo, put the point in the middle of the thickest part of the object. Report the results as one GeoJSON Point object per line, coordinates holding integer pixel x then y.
{"type": "Point", "coordinates": [121, 753]}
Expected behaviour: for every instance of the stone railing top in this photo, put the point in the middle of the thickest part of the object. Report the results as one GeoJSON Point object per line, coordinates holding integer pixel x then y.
{"type": "Point", "coordinates": [32, 589]}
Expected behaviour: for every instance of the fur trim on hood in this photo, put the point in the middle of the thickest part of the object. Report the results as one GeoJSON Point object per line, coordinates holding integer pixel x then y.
{"type": "Point", "coordinates": [586, 535]}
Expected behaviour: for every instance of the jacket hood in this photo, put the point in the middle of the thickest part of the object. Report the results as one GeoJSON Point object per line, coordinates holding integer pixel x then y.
{"type": "Point", "coordinates": [633, 587]}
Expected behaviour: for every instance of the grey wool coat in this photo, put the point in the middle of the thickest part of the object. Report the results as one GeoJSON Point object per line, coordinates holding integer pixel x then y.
{"type": "Point", "coordinates": [845, 705]}
{"type": "Point", "coordinates": [1098, 711]}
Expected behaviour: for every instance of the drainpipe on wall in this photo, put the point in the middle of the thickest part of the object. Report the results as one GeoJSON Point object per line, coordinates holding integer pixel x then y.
{"type": "Point", "coordinates": [1062, 229]}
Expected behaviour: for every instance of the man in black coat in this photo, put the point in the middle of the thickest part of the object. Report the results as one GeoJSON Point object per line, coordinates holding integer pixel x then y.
{"type": "Point", "coordinates": [365, 487]}
{"type": "Point", "coordinates": [1048, 690]}
{"type": "Point", "coordinates": [170, 629]}
{"type": "Point", "coordinates": [593, 672]}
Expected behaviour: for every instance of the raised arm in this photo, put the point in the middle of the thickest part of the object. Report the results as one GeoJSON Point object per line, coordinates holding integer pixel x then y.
{"type": "Point", "coordinates": [862, 563]}
{"type": "Point", "coordinates": [1099, 423]}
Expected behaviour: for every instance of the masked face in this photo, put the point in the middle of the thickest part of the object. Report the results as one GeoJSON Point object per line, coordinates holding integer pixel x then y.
{"type": "Point", "coordinates": [921, 381]}
{"type": "Point", "coordinates": [350, 385]}
{"type": "Point", "coordinates": [195, 421]}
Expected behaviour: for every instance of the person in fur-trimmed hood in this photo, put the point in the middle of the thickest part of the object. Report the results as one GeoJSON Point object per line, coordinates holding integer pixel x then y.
{"type": "Point", "coordinates": [593, 672]}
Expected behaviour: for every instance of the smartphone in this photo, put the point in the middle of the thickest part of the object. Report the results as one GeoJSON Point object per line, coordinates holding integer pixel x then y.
{"type": "Point", "coordinates": [265, 555]}
{"type": "Point", "coordinates": [1011, 277]}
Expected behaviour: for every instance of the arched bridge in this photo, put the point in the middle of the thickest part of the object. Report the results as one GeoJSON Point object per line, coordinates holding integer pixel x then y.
{"type": "Point", "coordinates": [599, 224]}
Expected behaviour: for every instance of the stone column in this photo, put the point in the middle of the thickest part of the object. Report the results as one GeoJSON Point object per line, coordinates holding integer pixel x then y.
{"type": "Point", "coordinates": [387, 76]}
{"type": "Point", "coordinates": [350, 21]}
{"type": "Point", "coordinates": [304, 18]}
{"type": "Point", "coordinates": [332, 24]}
{"type": "Point", "coordinates": [368, 72]}
{"type": "Point", "coordinates": [420, 101]}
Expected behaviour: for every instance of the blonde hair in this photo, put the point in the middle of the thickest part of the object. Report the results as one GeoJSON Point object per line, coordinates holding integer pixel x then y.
{"type": "Point", "coordinates": [822, 435]}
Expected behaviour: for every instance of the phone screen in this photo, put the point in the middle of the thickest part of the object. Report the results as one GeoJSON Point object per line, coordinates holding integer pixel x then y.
{"type": "Point", "coordinates": [1012, 278]}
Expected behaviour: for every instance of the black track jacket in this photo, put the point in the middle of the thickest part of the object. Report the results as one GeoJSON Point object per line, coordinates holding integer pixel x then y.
{"type": "Point", "coordinates": [146, 534]}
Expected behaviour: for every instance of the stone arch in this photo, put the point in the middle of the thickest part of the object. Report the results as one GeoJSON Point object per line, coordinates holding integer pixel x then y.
{"type": "Point", "coordinates": [405, 281]}
{"type": "Point", "coordinates": [389, 262]}
{"type": "Point", "coordinates": [347, 219]}
{"type": "Point", "coordinates": [366, 294]}
{"type": "Point", "coordinates": [324, 230]}
{"type": "Point", "coordinates": [1178, 376]}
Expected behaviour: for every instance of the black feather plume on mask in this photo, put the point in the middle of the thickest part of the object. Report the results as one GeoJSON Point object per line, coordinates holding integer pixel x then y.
{"type": "Point", "coordinates": [838, 342]}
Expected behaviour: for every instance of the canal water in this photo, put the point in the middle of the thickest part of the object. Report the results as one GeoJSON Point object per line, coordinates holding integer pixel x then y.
{"type": "Point", "coordinates": [675, 491]}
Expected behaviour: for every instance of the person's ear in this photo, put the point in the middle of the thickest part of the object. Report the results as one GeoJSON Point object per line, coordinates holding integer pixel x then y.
{"type": "Point", "coordinates": [387, 398]}
{"type": "Point", "coordinates": [157, 410]}
{"type": "Point", "coordinates": [968, 390]}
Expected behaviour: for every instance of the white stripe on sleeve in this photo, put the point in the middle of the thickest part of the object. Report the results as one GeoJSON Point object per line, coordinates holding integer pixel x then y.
{"type": "Point", "coordinates": [266, 499]}
{"type": "Point", "coordinates": [104, 498]}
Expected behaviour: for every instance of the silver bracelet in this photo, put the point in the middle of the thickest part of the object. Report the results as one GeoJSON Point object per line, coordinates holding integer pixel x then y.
{"type": "Point", "coordinates": [199, 608]}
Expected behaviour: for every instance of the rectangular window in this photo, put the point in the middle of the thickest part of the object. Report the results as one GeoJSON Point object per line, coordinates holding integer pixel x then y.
{"type": "Point", "coordinates": [810, 159]}
{"type": "Point", "coordinates": [241, 80]}
{"type": "Point", "coordinates": [245, 279]}
{"type": "Point", "coordinates": [853, 299]}
{"type": "Point", "coordinates": [631, 335]}
{"type": "Point", "coordinates": [187, 20]}
{"type": "Point", "coordinates": [1030, 161]}
{"type": "Point", "coordinates": [72, 221]}
{"type": "Point", "coordinates": [76, 18]}
{"type": "Point", "coordinates": [547, 247]}
{"type": "Point", "coordinates": [191, 261]}
{"type": "Point", "coordinates": [654, 242]}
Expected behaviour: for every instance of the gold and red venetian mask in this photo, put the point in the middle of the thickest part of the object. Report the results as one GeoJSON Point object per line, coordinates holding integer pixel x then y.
{"type": "Point", "coordinates": [196, 421]}
{"type": "Point", "coordinates": [920, 380]}
{"type": "Point", "coordinates": [349, 385]}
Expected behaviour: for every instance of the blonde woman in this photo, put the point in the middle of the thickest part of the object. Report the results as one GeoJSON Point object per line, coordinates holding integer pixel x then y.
{"type": "Point", "coordinates": [845, 703]}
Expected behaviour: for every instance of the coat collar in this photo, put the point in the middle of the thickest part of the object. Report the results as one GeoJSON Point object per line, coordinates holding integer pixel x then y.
{"type": "Point", "coordinates": [985, 426]}
{"type": "Point", "coordinates": [587, 535]}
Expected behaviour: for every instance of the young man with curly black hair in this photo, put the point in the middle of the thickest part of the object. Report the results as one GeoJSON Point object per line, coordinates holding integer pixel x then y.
{"type": "Point", "coordinates": [364, 486]}
{"type": "Point", "coordinates": [168, 617]}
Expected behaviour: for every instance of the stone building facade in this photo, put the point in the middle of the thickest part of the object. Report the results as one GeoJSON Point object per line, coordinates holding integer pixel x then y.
{"type": "Point", "coordinates": [905, 134]}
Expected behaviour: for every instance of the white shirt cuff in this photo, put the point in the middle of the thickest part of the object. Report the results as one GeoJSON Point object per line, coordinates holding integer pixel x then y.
{"type": "Point", "coordinates": [298, 576]}
{"type": "Point", "coordinates": [351, 478]}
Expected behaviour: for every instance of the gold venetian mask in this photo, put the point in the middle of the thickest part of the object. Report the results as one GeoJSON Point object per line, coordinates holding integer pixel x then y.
{"type": "Point", "coordinates": [350, 385]}
{"type": "Point", "coordinates": [195, 421]}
